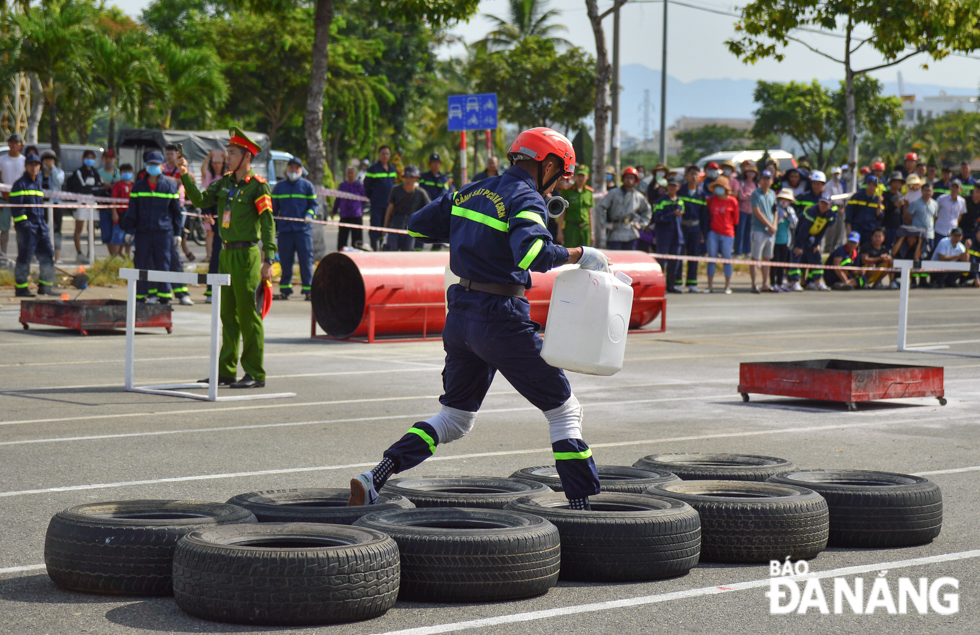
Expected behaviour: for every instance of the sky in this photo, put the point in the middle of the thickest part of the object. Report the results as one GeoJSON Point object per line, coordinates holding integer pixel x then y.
{"type": "Point", "coordinates": [695, 45]}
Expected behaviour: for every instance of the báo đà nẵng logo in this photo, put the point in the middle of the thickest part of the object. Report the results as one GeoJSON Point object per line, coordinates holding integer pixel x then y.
{"type": "Point", "coordinates": [792, 589]}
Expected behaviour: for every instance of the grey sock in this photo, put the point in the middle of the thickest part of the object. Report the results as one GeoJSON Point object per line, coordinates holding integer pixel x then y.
{"type": "Point", "coordinates": [381, 472]}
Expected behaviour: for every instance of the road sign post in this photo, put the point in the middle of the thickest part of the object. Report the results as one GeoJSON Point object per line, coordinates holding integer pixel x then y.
{"type": "Point", "coordinates": [471, 112]}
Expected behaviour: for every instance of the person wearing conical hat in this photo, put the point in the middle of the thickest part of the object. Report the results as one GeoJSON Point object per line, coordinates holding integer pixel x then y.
{"type": "Point", "coordinates": [244, 209]}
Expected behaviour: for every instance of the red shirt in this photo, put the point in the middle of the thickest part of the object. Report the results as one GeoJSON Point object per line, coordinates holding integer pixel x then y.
{"type": "Point", "coordinates": [121, 189]}
{"type": "Point", "coordinates": [724, 214]}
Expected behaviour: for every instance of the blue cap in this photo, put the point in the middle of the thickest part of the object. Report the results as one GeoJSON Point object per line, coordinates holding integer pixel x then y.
{"type": "Point", "coordinates": [154, 157]}
{"type": "Point", "coordinates": [825, 197]}
{"type": "Point", "coordinates": [766, 174]}
{"type": "Point", "coordinates": [32, 158]}
{"type": "Point", "coordinates": [870, 178]}
{"type": "Point", "coordinates": [295, 161]}
{"type": "Point", "coordinates": [854, 237]}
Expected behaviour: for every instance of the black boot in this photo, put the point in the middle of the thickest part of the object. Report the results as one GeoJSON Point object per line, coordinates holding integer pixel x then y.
{"type": "Point", "coordinates": [222, 381]}
{"type": "Point", "coordinates": [248, 382]}
{"type": "Point", "coordinates": [25, 293]}
{"type": "Point", "coordinates": [47, 289]}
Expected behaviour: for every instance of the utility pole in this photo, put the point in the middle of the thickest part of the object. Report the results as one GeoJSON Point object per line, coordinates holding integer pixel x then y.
{"type": "Point", "coordinates": [645, 119]}
{"type": "Point", "coordinates": [663, 94]}
{"type": "Point", "coordinates": [614, 152]}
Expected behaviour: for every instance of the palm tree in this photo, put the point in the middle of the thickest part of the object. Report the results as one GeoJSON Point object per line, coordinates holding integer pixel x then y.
{"type": "Point", "coordinates": [194, 83]}
{"type": "Point", "coordinates": [121, 66]}
{"type": "Point", "coordinates": [527, 18]}
{"type": "Point", "coordinates": [50, 43]}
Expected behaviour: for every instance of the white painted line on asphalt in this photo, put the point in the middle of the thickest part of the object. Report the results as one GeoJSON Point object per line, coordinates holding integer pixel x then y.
{"type": "Point", "coordinates": [564, 611]}
{"type": "Point", "coordinates": [28, 567]}
{"type": "Point", "coordinates": [327, 468]}
{"type": "Point", "coordinates": [955, 470]}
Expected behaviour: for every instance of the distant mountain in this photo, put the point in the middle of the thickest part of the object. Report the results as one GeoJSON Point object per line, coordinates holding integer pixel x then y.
{"type": "Point", "coordinates": [712, 97]}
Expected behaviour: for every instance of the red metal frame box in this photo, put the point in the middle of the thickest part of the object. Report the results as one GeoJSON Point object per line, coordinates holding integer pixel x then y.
{"type": "Point", "coordinates": [841, 380]}
{"type": "Point", "coordinates": [93, 315]}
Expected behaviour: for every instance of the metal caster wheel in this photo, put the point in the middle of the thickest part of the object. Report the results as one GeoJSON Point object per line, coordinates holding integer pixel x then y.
{"type": "Point", "coordinates": [942, 400]}
{"type": "Point", "coordinates": [745, 397]}
{"type": "Point", "coordinates": [851, 406]}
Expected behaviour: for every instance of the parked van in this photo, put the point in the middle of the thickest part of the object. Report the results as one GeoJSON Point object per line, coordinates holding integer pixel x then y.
{"type": "Point", "coordinates": [784, 159]}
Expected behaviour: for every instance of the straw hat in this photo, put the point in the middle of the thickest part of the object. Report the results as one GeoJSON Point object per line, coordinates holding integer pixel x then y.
{"type": "Point", "coordinates": [787, 194]}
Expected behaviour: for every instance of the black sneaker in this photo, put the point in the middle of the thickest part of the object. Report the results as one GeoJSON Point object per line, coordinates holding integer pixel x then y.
{"type": "Point", "coordinates": [25, 293]}
{"type": "Point", "coordinates": [248, 382]}
{"type": "Point", "coordinates": [308, 296]}
{"type": "Point", "coordinates": [47, 289]}
{"type": "Point", "coordinates": [222, 381]}
{"type": "Point", "coordinates": [281, 296]}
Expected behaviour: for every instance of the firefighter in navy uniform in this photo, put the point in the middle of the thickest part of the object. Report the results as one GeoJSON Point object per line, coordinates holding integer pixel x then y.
{"type": "Point", "coordinates": [667, 213]}
{"type": "Point", "coordinates": [810, 229]}
{"type": "Point", "coordinates": [154, 217]}
{"type": "Point", "coordinates": [435, 184]}
{"type": "Point", "coordinates": [32, 230]}
{"type": "Point", "coordinates": [496, 233]}
{"type": "Point", "coordinates": [294, 197]}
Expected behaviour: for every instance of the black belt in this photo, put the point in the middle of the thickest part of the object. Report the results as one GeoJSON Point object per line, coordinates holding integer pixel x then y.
{"type": "Point", "coordinates": [237, 244]}
{"type": "Point", "coordinates": [496, 288]}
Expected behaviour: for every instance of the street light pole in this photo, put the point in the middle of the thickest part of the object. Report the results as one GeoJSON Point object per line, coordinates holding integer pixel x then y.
{"type": "Point", "coordinates": [615, 144]}
{"type": "Point", "coordinates": [663, 94]}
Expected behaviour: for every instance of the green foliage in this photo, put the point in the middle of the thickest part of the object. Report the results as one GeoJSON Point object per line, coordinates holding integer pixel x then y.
{"type": "Point", "coordinates": [813, 116]}
{"type": "Point", "coordinates": [536, 86]}
{"type": "Point", "coordinates": [195, 87]}
{"type": "Point", "coordinates": [948, 139]}
{"type": "Point", "coordinates": [708, 140]}
{"type": "Point", "coordinates": [525, 19]}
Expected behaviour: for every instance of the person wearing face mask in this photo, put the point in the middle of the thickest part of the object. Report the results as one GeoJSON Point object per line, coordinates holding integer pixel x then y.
{"type": "Point", "coordinates": [52, 178]}
{"type": "Point", "coordinates": [85, 180]}
{"type": "Point", "coordinates": [746, 186]}
{"type": "Point", "coordinates": [153, 220]}
{"type": "Point", "coordinates": [694, 222]}
{"type": "Point", "coordinates": [657, 186]}
{"type": "Point", "coordinates": [724, 214]}
{"type": "Point", "coordinates": [294, 197]}
{"type": "Point", "coordinates": [623, 212]}
{"type": "Point", "coordinates": [120, 189]}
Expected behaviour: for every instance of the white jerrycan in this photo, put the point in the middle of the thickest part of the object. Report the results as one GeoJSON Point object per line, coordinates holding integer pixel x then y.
{"type": "Point", "coordinates": [587, 321]}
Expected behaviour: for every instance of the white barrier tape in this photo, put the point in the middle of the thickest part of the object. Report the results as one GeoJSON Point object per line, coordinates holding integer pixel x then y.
{"type": "Point", "coordinates": [327, 222]}
{"type": "Point", "coordinates": [770, 263]}
{"type": "Point", "coordinates": [60, 206]}
{"type": "Point", "coordinates": [323, 191]}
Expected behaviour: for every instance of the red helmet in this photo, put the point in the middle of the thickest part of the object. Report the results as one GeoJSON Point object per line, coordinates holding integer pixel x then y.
{"type": "Point", "coordinates": [631, 170]}
{"type": "Point", "coordinates": [878, 165]}
{"type": "Point", "coordinates": [711, 166]}
{"type": "Point", "coordinates": [865, 170]}
{"type": "Point", "coordinates": [537, 143]}
{"type": "Point", "coordinates": [911, 156]}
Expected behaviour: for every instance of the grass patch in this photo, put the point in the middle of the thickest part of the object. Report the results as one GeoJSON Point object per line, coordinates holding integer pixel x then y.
{"type": "Point", "coordinates": [101, 275]}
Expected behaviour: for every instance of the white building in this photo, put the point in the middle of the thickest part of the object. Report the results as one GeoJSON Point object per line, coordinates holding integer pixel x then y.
{"type": "Point", "coordinates": [915, 110]}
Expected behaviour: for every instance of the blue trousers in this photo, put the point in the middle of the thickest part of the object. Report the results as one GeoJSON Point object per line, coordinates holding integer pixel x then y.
{"type": "Point", "coordinates": [153, 252]}
{"type": "Point", "coordinates": [669, 242]}
{"type": "Point", "coordinates": [691, 247]}
{"type": "Point", "coordinates": [33, 240]}
{"type": "Point", "coordinates": [808, 257]}
{"type": "Point", "coordinates": [743, 235]}
{"type": "Point", "coordinates": [292, 244]}
{"type": "Point", "coordinates": [475, 351]}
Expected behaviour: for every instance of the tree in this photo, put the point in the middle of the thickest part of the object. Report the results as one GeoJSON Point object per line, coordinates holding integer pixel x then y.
{"type": "Point", "coordinates": [50, 43]}
{"type": "Point", "coordinates": [603, 78]}
{"type": "Point", "coordinates": [120, 66]}
{"type": "Point", "coordinates": [708, 140]}
{"type": "Point", "coordinates": [538, 87]}
{"type": "Point", "coordinates": [195, 88]}
{"type": "Point", "coordinates": [896, 31]}
{"type": "Point", "coordinates": [947, 139]}
{"type": "Point", "coordinates": [813, 116]}
{"type": "Point", "coordinates": [438, 12]}
{"type": "Point", "coordinates": [526, 19]}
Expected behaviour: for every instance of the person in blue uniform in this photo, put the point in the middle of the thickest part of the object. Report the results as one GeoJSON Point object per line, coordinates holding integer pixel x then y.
{"type": "Point", "coordinates": [497, 234]}
{"type": "Point", "coordinates": [294, 197]}
{"type": "Point", "coordinates": [813, 224]}
{"type": "Point", "coordinates": [154, 217]}
{"type": "Point", "coordinates": [864, 211]}
{"type": "Point", "coordinates": [31, 226]}
{"type": "Point", "coordinates": [378, 181]}
{"type": "Point", "coordinates": [435, 184]}
{"type": "Point", "coordinates": [694, 224]}
{"type": "Point", "coordinates": [667, 213]}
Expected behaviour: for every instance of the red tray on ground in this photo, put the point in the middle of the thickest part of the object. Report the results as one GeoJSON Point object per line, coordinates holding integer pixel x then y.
{"type": "Point", "coordinates": [841, 380]}
{"type": "Point", "coordinates": [93, 315]}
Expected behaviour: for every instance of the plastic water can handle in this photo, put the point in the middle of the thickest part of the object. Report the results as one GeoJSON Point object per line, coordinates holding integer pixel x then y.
{"type": "Point", "coordinates": [625, 278]}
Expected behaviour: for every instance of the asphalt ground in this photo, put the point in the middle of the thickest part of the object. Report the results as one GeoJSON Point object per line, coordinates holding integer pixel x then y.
{"type": "Point", "coordinates": [70, 434]}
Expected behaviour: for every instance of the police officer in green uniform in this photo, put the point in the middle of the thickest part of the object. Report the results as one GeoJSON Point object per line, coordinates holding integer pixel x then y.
{"type": "Point", "coordinates": [578, 216]}
{"type": "Point", "coordinates": [244, 210]}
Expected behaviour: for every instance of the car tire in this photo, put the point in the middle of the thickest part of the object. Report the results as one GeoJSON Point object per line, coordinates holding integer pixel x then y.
{"type": "Point", "coordinates": [874, 509]}
{"type": "Point", "coordinates": [612, 478]}
{"type": "Point", "coordinates": [312, 505]}
{"type": "Point", "coordinates": [624, 538]}
{"type": "Point", "coordinates": [744, 522]}
{"type": "Point", "coordinates": [471, 555]}
{"type": "Point", "coordinates": [479, 492]}
{"type": "Point", "coordinates": [286, 574]}
{"type": "Point", "coordinates": [716, 467]}
{"type": "Point", "coordinates": [126, 547]}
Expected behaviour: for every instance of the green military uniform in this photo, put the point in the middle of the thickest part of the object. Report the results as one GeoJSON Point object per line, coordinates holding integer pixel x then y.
{"type": "Point", "coordinates": [244, 209]}
{"type": "Point", "coordinates": [578, 216]}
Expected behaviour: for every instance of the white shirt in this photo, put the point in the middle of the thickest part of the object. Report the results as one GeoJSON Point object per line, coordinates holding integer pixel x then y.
{"type": "Point", "coordinates": [949, 213]}
{"type": "Point", "coordinates": [913, 195]}
{"type": "Point", "coordinates": [11, 168]}
{"type": "Point", "coordinates": [946, 248]}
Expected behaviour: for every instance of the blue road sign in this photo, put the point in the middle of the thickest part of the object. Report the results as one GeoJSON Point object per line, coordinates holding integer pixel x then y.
{"type": "Point", "coordinates": [472, 112]}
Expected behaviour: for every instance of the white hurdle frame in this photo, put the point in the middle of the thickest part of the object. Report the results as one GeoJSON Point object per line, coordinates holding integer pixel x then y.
{"type": "Point", "coordinates": [906, 267]}
{"type": "Point", "coordinates": [216, 280]}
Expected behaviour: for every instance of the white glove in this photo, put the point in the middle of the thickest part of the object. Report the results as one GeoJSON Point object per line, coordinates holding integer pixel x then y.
{"type": "Point", "coordinates": [176, 242]}
{"type": "Point", "coordinates": [308, 219]}
{"type": "Point", "coordinates": [90, 181]}
{"type": "Point", "coordinates": [128, 239]}
{"type": "Point", "coordinates": [593, 260]}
